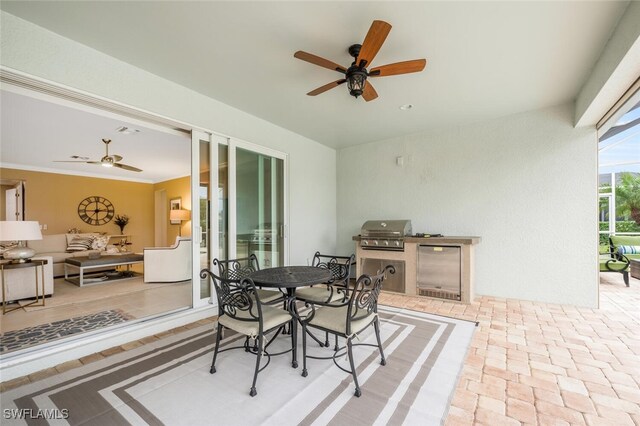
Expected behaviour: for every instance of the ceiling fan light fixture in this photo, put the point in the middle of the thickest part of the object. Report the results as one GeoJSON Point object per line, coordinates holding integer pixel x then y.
{"type": "Point", "coordinates": [356, 80]}
{"type": "Point", "coordinates": [406, 107]}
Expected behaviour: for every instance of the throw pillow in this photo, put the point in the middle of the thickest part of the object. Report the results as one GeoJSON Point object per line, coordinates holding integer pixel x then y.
{"type": "Point", "coordinates": [100, 242]}
{"type": "Point", "coordinates": [629, 249]}
{"type": "Point", "coordinates": [80, 244]}
{"type": "Point", "coordinates": [70, 237]}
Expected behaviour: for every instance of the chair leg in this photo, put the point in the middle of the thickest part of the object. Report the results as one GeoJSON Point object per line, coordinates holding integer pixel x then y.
{"type": "Point", "coordinates": [294, 342]}
{"type": "Point", "coordinates": [625, 277]}
{"type": "Point", "coordinates": [336, 347]}
{"type": "Point", "coordinates": [253, 391]}
{"type": "Point", "coordinates": [215, 351]}
{"type": "Point", "coordinates": [326, 339]}
{"type": "Point", "coordinates": [376, 325]}
{"type": "Point", "coordinates": [304, 350]}
{"type": "Point", "coordinates": [353, 368]}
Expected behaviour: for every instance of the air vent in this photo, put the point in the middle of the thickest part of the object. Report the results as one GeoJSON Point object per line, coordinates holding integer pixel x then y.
{"type": "Point", "coordinates": [440, 294]}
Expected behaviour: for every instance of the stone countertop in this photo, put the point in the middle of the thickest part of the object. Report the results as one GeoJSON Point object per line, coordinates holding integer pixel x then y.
{"type": "Point", "coordinates": [436, 240]}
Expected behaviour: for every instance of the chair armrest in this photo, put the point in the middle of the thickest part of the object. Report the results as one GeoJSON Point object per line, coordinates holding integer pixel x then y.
{"type": "Point", "coordinates": [616, 261]}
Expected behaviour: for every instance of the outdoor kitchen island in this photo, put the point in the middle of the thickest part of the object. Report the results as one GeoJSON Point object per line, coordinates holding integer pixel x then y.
{"type": "Point", "coordinates": [439, 267]}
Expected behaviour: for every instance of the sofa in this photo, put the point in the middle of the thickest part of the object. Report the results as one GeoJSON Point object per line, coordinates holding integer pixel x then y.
{"type": "Point", "coordinates": [168, 264]}
{"type": "Point", "coordinates": [21, 282]}
{"type": "Point", "coordinates": [55, 246]}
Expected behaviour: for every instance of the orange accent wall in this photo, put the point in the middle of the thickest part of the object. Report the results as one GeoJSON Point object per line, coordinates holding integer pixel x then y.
{"type": "Point", "coordinates": [53, 199]}
{"type": "Point", "coordinates": [177, 188]}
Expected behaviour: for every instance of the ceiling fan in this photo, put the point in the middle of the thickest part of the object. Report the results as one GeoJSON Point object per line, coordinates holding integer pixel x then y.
{"type": "Point", "coordinates": [356, 75]}
{"type": "Point", "coordinates": [106, 161]}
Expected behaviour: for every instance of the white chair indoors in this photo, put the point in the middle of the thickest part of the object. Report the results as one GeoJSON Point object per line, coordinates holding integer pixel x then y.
{"type": "Point", "coordinates": [168, 264]}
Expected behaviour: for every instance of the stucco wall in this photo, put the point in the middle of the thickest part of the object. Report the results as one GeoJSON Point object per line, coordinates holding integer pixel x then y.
{"type": "Point", "coordinates": [527, 184]}
{"type": "Point", "coordinates": [312, 166]}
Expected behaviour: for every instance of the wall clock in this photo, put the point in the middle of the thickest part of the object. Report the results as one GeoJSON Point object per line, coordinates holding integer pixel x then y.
{"type": "Point", "coordinates": [96, 210]}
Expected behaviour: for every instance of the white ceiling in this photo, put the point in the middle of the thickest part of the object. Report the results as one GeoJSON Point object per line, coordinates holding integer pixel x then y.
{"type": "Point", "coordinates": [485, 59]}
{"type": "Point", "coordinates": [35, 132]}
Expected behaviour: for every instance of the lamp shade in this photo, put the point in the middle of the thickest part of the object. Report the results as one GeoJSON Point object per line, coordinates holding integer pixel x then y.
{"type": "Point", "coordinates": [181, 215]}
{"type": "Point", "coordinates": [19, 230]}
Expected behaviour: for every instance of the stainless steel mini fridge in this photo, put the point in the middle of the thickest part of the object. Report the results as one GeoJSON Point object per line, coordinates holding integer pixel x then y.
{"type": "Point", "coordinates": [439, 272]}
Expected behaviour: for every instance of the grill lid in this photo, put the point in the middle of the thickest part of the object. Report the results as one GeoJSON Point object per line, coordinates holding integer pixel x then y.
{"type": "Point", "coordinates": [386, 228]}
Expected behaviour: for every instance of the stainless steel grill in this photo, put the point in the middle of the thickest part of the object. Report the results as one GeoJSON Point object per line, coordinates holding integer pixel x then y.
{"type": "Point", "coordinates": [384, 234]}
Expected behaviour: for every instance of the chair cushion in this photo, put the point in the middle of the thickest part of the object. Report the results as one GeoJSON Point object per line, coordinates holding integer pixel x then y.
{"type": "Point", "coordinates": [625, 240]}
{"type": "Point", "coordinates": [272, 317]}
{"type": "Point", "coordinates": [335, 319]}
{"type": "Point", "coordinates": [267, 296]}
{"type": "Point", "coordinates": [612, 266]}
{"type": "Point", "coordinates": [319, 293]}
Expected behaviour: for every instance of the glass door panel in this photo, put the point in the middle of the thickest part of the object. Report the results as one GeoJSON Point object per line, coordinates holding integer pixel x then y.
{"type": "Point", "coordinates": [260, 219]}
{"type": "Point", "coordinates": [223, 201]}
{"type": "Point", "coordinates": [202, 232]}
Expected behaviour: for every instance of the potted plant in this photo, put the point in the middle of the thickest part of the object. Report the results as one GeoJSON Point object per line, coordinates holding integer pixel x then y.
{"type": "Point", "coordinates": [121, 221]}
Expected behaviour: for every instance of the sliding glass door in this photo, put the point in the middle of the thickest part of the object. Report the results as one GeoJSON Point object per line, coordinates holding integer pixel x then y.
{"type": "Point", "coordinates": [239, 205]}
{"type": "Point", "coordinates": [259, 199]}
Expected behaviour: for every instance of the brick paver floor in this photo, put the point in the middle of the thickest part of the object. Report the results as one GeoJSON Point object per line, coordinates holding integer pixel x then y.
{"type": "Point", "coordinates": [539, 363]}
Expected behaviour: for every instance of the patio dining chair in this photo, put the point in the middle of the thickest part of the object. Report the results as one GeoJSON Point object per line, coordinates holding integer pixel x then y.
{"type": "Point", "coordinates": [334, 290]}
{"type": "Point", "coordinates": [237, 269]}
{"type": "Point", "coordinates": [240, 309]}
{"type": "Point", "coordinates": [348, 319]}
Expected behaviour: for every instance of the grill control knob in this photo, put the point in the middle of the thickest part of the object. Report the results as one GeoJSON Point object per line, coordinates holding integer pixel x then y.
{"type": "Point", "coordinates": [375, 242]}
{"type": "Point", "coordinates": [365, 242]}
{"type": "Point", "coordinates": [386, 243]}
{"type": "Point", "coordinates": [397, 243]}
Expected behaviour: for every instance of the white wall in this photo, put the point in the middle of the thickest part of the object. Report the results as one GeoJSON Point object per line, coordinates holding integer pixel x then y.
{"type": "Point", "coordinates": [39, 52]}
{"type": "Point", "coordinates": [526, 184]}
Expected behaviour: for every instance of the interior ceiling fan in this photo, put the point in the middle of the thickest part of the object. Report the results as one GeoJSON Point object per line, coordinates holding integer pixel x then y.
{"type": "Point", "coordinates": [356, 75]}
{"type": "Point", "coordinates": [106, 161]}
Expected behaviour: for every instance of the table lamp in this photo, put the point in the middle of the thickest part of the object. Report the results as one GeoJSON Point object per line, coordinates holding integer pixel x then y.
{"type": "Point", "coordinates": [181, 215]}
{"type": "Point", "coordinates": [18, 230]}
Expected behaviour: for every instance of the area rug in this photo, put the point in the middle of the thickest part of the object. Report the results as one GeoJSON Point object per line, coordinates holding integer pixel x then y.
{"type": "Point", "coordinates": [30, 336]}
{"type": "Point", "coordinates": [168, 382]}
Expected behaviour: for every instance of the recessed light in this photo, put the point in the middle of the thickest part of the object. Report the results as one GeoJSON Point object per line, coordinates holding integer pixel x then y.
{"type": "Point", "coordinates": [406, 107]}
{"type": "Point", "coordinates": [127, 130]}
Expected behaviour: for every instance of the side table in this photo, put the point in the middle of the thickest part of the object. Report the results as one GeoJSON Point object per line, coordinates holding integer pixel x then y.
{"type": "Point", "coordinates": [39, 283]}
{"type": "Point", "coordinates": [635, 268]}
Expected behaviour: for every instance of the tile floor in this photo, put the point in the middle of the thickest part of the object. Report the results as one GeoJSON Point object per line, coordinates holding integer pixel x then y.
{"type": "Point", "coordinates": [529, 363]}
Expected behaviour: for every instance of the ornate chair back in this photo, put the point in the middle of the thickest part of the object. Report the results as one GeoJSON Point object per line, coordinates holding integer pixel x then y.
{"type": "Point", "coordinates": [363, 300]}
{"type": "Point", "coordinates": [236, 269]}
{"type": "Point", "coordinates": [237, 298]}
{"type": "Point", "coordinates": [340, 267]}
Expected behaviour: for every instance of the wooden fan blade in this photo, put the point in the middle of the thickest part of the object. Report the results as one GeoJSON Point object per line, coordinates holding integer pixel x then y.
{"type": "Point", "coordinates": [69, 161]}
{"type": "Point", "coordinates": [405, 67]}
{"type": "Point", "coordinates": [373, 42]}
{"type": "Point", "coordinates": [369, 93]}
{"type": "Point", "coordinates": [326, 87]}
{"type": "Point", "coordinates": [317, 60]}
{"type": "Point", "coordinates": [126, 167]}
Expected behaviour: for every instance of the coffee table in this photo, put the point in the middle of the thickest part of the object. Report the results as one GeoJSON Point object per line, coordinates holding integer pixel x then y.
{"type": "Point", "coordinates": [84, 263]}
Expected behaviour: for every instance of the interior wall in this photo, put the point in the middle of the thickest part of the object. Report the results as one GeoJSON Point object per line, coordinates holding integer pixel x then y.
{"type": "Point", "coordinates": [177, 188]}
{"type": "Point", "coordinates": [526, 184]}
{"type": "Point", "coordinates": [52, 199]}
{"type": "Point", "coordinates": [312, 167]}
